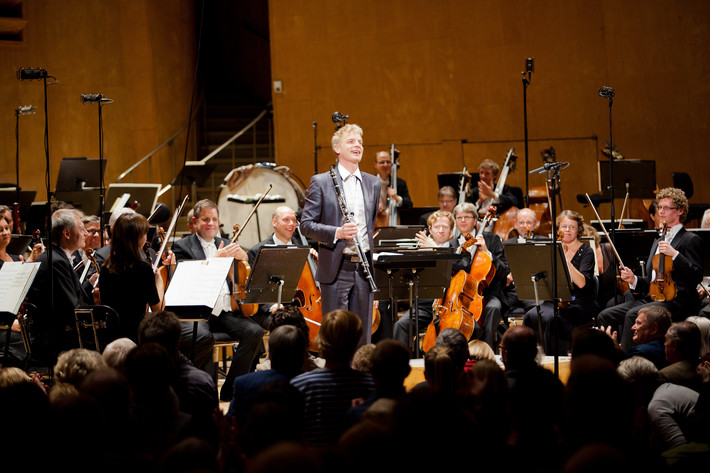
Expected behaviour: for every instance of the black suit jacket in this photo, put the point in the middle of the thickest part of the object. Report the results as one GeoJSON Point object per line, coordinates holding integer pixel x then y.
{"type": "Point", "coordinates": [254, 251]}
{"type": "Point", "coordinates": [55, 310]}
{"type": "Point", "coordinates": [403, 192]}
{"type": "Point", "coordinates": [499, 262]}
{"type": "Point", "coordinates": [687, 270]}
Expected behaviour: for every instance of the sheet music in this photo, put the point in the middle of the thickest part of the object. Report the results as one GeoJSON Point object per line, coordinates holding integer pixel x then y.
{"type": "Point", "coordinates": [198, 282]}
{"type": "Point", "coordinates": [15, 281]}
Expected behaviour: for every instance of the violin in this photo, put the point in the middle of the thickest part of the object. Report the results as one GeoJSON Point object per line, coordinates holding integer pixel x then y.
{"type": "Point", "coordinates": [662, 287]}
{"type": "Point", "coordinates": [463, 303]}
{"type": "Point", "coordinates": [95, 289]}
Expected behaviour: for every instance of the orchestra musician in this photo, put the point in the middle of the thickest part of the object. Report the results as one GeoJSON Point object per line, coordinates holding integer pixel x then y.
{"type": "Point", "coordinates": [126, 271]}
{"type": "Point", "coordinates": [581, 310]}
{"type": "Point", "coordinates": [34, 252]}
{"type": "Point", "coordinates": [54, 316]}
{"type": "Point", "coordinates": [441, 229]}
{"type": "Point", "coordinates": [383, 166]}
{"type": "Point", "coordinates": [285, 223]}
{"type": "Point", "coordinates": [16, 348]}
{"type": "Point", "coordinates": [341, 275]}
{"type": "Point", "coordinates": [80, 257]}
{"type": "Point", "coordinates": [205, 243]}
{"type": "Point", "coordinates": [466, 218]}
{"type": "Point", "coordinates": [485, 194]}
{"type": "Point", "coordinates": [447, 201]}
{"type": "Point", "coordinates": [686, 252]}
{"type": "Point", "coordinates": [525, 221]}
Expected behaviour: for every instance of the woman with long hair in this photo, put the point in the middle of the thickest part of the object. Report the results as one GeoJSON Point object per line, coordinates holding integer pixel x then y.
{"type": "Point", "coordinates": [580, 264]}
{"type": "Point", "coordinates": [127, 282]}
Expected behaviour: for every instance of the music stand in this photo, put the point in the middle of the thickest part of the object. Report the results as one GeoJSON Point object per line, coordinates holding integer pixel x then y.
{"type": "Point", "coordinates": [19, 244]}
{"type": "Point", "coordinates": [276, 269]}
{"type": "Point", "coordinates": [640, 175]}
{"type": "Point", "coordinates": [145, 194]}
{"type": "Point", "coordinates": [76, 174]}
{"type": "Point", "coordinates": [390, 236]}
{"type": "Point", "coordinates": [194, 174]}
{"type": "Point", "coordinates": [413, 274]}
{"type": "Point", "coordinates": [453, 179]}
{"type": "Point", "coordinates": [412, 215]}
{"type": "Point", "coordinates": [531, 267]}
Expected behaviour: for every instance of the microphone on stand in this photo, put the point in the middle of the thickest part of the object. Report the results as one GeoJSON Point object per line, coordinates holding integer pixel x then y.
{"type": "Point", "coordinates": [339, 117]}
{"type": "Point", "coordinates": [26, 110]}
{"type": "Point", "coordinates": [549, 166]}
{"type": "Point", "coordinates": [94, 98]}
{"type": "Point", "coordinates": [27, 73]}
{"type": "Point", "coordinates": [606, 92]}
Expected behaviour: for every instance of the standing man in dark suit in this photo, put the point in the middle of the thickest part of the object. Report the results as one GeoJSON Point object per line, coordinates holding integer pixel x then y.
{"type": "Point", "coordinates": [684, 248]}
{"type": "Point", "coordinates": [340, 272]}
{"type": "Point", "coordinates": [55, 310]}
{"type": "Point", "coordinates": [205, 243]}
{"type": "Point", "coordinates": [485, 194]}
{"type": "Point", "coordinates": [383, 166]}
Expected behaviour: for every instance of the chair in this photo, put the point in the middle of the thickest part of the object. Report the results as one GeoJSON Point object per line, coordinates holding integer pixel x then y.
{"type": "Point", "coordinates": [682, 180]}
{"type": "Point", "coordinates": [96, 326]}
{"type": "Point", "coordinates": [222, 341]}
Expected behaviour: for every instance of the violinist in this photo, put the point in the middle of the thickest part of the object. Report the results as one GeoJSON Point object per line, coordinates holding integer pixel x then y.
{"type": "Point", "coordinates": [126, 271]}
{"type": "Point", "coordinates": [525, 222]}
{"type": "Point", "coordinates": [34, 252]}
{"type": "Point", "coordinates": [205, 243]}
{"type": "Point", "coordinates": [466, 219]}
{"type": "Point", "coordinates": [581, 310]}
{"type": "Point", "coordinates": [682, 253]}
{"type": "Point", "coordinates": [17, 351]}
{"type": "Point", "coordinates": [440, 232]}
{"type": "Point", "coordinates": [485, 194]}
{"type": "Point", "coordinates": [55, 311]}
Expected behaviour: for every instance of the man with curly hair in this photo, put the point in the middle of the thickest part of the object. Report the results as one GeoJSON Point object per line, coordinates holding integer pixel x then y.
{"type": "Point", "coordinates": [683, 250]}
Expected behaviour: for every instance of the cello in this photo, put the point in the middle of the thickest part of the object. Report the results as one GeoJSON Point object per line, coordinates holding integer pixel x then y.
{"type": "Point", "coordinates": [662, 287]}
{"type": "Point", "coordinates": [463, 303]}
{"type": "Point", "coordinates": [308, 297]}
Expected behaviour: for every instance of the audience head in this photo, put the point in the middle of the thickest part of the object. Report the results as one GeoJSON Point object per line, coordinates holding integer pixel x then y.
{"type": "Point", "coordinates": [287, 348]}
{"type": "Point", "coordinates": [76, 364]}
{"type": "Point", "coordinates": [589, 340]}
{"type": "Point", "coordinates": [440, 368]}
{"type": "Point", "coordinates": [682, 342]}
{"type": "Point", "coordinates": [162, 327]}
{"type": "Point", "coordinates": [339, 335]}
{"type": "Point", "coordinates": [115, 352]}
{"type": "Point", "coordinates": [651, 322]}
{"type": "Point", "coordinates": [390, 364]}
{"type": "Point", "coordinates": [10, 376]}
{"type": "Point", "coordinates": [518, 347]}
{"type": "Point", "coordinates": [705, 221]}
{"type": "Point", "coordinates": [362, 359]}
{"type": "Point", "coordinates": [703, 324]}
{"type": "Point", "coordinates": [289, 315]}
{"type": "Point", "coordinates": [479, 350]}
{"type": "Point", "coordinates": [455, 340]}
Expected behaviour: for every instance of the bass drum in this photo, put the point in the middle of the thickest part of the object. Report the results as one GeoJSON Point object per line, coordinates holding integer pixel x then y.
{"type": "Point", "coordinates": [242, 189]}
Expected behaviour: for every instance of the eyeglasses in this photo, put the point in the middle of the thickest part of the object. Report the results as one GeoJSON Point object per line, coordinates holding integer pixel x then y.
{"type": "Point", "coordinates": [664, 208]}
{"type": "Point", "coordinates": [93, 231]}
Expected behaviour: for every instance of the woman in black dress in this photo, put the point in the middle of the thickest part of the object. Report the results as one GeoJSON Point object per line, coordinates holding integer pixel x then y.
{"type": "Point", "coordinates": [581, 310]}
{"type": "Point", "coordinates": [127, 282]}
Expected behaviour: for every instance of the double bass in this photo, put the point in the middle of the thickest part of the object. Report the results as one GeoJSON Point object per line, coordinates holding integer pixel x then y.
{"type": "Point", "coordinates": [463, 302]}
{"type": "Point", "coordinates": [506, 221]}
{"type": "Point", "coordinates": [308, 297]}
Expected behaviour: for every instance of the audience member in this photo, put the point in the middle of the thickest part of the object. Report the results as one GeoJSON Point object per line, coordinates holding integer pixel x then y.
{"type": "Point", "coordinates": [682, 352]}
{"type": "Point", "coordinates": [478, 350]}
{"type": "Point", "coordinates": [329, 391]}
{"type": "Point", "coordinates": [115, 352]}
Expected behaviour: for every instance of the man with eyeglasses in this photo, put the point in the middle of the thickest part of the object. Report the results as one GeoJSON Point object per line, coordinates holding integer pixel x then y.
{"type": "Point", "coordinates": [447, 202]}
{"type": "Point", "coordinates": [525, 221]}
{"type": "Point", "coordinates": [683, 250]}
{"type": "Point", "coordinates": [465, 216]}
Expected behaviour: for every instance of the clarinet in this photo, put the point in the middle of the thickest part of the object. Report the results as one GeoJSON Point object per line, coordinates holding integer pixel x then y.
{"type": "Point", "coordinates": [346, 219]}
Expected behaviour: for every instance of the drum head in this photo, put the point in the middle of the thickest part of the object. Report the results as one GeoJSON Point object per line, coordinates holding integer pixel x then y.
{"type": "Point", "coordinates": [241, 190]}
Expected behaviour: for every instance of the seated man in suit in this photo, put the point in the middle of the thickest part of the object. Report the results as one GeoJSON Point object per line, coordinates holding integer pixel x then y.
{"type": "Point", "coordinates": [485, 194]}
{"type": "Point", "coordinates": [205, 243]}
{"type": "Point", "coordinates": [525, 221]}
{"type": "Point", "coordinates": [447, 202]}
{"type": "Point", "coordinates": [55, 309]}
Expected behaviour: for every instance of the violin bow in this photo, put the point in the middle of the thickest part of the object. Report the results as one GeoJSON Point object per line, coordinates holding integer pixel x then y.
{"type": "Point", "coordinates": [604, 230]}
